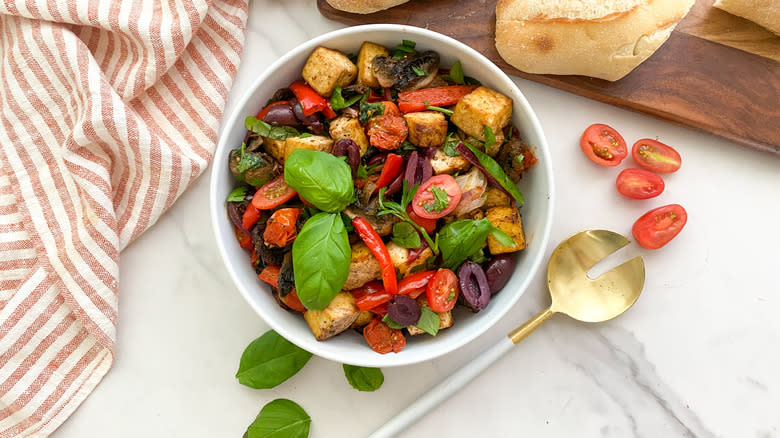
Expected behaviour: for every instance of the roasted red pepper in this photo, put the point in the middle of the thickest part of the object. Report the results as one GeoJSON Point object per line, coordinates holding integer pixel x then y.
{"type": "Point", "coordinates": [250, 218]}
{"type": "Point", "coordinates": [414, 285]}
{"type": "Point", "coordinates": [270, 275]}
{"type": "Point", "coordinates": [280, 229]}
{"type": "Point", "coordinates": [263, 112]}
{"type": "Point", "coordinates": [418, 100]}
{"type": "Point", "coordinates": [390, 170]}
{"type": "Point", "coordinates": [378, 248]}
{"type": "Point", "coordinates": [369, 302]}
{"type": "Point", "coordinates": [244, 239]}
{"type": "Point", "coordinates": [310, 100]}
{"type": "Point", "coordinates": [389, 130]}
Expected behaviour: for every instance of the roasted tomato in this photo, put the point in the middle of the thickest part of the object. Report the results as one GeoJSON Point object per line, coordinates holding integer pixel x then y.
{"type": "Point", "coordinates": [382, 338]}
{"type": "Point", "coordinates": [389, 130]}
{"type": "Point", "coordinates": [656, 156]}
{"type": "Point", "coordinates": [437, 197]}
{"type": "Point", "coordinates": [639, 184]}
{"type": "Point", "coordinates": [442, 291]}
{"type": "Point", "coordinates": [272, 194]}
{"type": "Point", "coordinates": [280, 229]}
{"type": "Point", "coordinates": [603, 145]}
{"type": "Point", "coordinates": [658, 226]}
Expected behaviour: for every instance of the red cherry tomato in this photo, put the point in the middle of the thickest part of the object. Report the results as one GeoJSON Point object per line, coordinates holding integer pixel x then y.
{"type": "Point", "coordinates": [658, 226]}
{"type": "Point", "coordinates": [603, 145]}
{"type": "Point", "coordinates": [428, 205]}
{"type": "Point", "coordinates": [442, 291]}
{"type": "Point", "coordinates": [274, 193]}
{"type": "Point", "coordinates": [656, 156]}
{"type": "Point", "coordinates": [429, 225]}
{"type": "Point", "coordinates": [639, 184]}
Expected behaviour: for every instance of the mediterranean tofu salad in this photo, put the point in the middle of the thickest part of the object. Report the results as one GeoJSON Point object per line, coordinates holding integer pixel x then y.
{"type": "Point", "coordinates": [378, 191]}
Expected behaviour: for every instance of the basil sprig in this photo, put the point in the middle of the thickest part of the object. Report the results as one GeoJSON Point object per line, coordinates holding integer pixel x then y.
{"type": "Point", "coordinates": [405, 235]}
{"type": "Point", "coordinates": [322, 179]}
{"type": "Point", "coordinates": [460, 239]}
{"type": "Point", "coordinates": [238, 194]}
{"type": "Point", "coordinates": [280, 418]}
{"type": "Point", "coordinates": [270, 360]}
{"type": "Point", "coordinates": [266, 130]}
{"type": "Point", "coordinates": [364, 378]}
{"type": "Point", "coordinates": [337, 101]}
{"type": "Point", "coordinates": [321, 256]}
{"type": "Point", "coordinates": [494, 169]}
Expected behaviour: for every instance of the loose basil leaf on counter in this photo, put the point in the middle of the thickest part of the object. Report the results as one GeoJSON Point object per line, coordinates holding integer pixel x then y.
{"type": "Point", "coordinates": [321, 256]}
{"type": "Point", "coordinates": [238, 194]}
{"type": "Point", "coordinates": [364, 378]}
{"type": "Point", "coordinates": [429, 321]}
{"type": "Point", "coordinates": [405, 235]}
{"type": "Point", "coordinates": [320, 178]}
{"type": "Point", "coordinates": [273, 132]}
{"type": "Point", "coordinates": [281, 418]}
{"type": "Point", "coordinates": [460, 239]}
{"type": "Point", "coordinates": [495, 170]}
{"type": "Point", "coordinates": [270, 360]}
{"type": "Point", "coordinates": [390, 323]}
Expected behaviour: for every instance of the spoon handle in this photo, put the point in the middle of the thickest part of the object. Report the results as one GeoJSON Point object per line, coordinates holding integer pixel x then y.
{"type": "Point", "coordinates": [434, 396]}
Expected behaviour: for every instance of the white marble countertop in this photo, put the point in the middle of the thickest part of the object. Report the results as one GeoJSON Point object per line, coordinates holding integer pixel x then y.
{"type": "Point", "coordinates": [698, 355]}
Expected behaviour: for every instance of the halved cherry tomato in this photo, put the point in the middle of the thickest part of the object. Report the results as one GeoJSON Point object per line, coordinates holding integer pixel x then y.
{"type": "Point", "coordinates": [442, 291]}
{"type": "Point", "coordinates": [274, 193]}
{"type": "Point", "coordinates": [415, 284]}
{"type": "Point", "coordinates": [603, 145]}
{"type": "Point", "coordinates": [389, 130]}
{"type": "Point", "coordinates": [639, 184]}
{"type": "Point", "coordinates": [280, 228]}
{"type": "Point", "coordinates": [656, 156]}
{"type": "Point", "coordinates": [292, 301]}
{"type": "Point", "coordinates": [270, 275]}
{"type": "Point", "coordinates": [382, 338]}
{"type": "Point", "coordinates": [658, 226]}
{"type": "Point", "coordinates": [428, 225]}
{"type": "Point", "coordinates": [426, 206]}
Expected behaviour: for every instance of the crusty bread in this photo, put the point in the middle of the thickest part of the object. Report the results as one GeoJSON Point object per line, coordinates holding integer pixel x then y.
{"type": "Point", "coordinates": [599, 38]}
{"type": "Point", "coordinates": [364, 6]}
{"type": "Point", "coordinates": [763, 12]}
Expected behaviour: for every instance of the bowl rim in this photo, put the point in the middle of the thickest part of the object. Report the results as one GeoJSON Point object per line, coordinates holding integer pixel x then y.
{"type": "Point", "coordinates": [320, 348]}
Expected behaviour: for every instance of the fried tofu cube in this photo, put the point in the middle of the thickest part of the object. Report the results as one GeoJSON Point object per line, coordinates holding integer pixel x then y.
{"type": "Point", "coordinates": [496, 198]}
{"type": "Point", "coordinates": [363, 318]}
{"type": "Point", "coordinates": [363, 267]}
{"type": "Point", "coordinates": [275, 148]}
{"type": "Point", "coordinates": [426, 128]}
{"type": "Point", "coordinates": [400, 257]}
{"type": "Point", "coordinates": [369, 51]}
{"type": "Point", "coordinates": [442, 163]}
{"type": "Point", "coordinates": [445, 318]}
{"type": "Point", "coordinates": [349, 127]}
{"type": "Point", "coordinates": [314, 143]}
{"type": "Point", "coordinates": [327, 69]}
{"type": "Point", "coordinates": [333, 319]}
{"type": "Point", "coordinates": [483, 107]}
{"type": "Point", "coordinates": [507, 219]}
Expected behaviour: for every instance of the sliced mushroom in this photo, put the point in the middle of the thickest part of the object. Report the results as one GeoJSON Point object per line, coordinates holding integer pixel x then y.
{"type": "Point", "coordinates": [408, 73]}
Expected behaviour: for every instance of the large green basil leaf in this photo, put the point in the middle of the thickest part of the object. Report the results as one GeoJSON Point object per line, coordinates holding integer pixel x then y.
{"type": "Point", "coordinates": [460, 239]}
{"type": "Point", "coordinates": [363, 378]}
{"type": "Point", "coordinates": [321, 256]}
{"type": "Point", "coordinates": [429, 321]}
{"type": "Point", "coordinates": [270, 360]}
{"type": "Point", "coordinates": [320, 178]}
{"type": "Point", "coordinates": [495, 170]}
{"type": "Point", "coordinates": [280, 418]}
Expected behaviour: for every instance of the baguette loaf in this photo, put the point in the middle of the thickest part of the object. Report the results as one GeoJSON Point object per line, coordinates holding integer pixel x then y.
{"type": "Point", "coordinates": [599, 38]}
{"type": "Point", "coordinates": [364, 6]}
{"type": "Point", "coordinates": [763, 12]}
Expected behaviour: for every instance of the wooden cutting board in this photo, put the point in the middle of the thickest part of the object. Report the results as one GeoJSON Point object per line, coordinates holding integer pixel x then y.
{"type": "Point", "coordinates": [717, 73]}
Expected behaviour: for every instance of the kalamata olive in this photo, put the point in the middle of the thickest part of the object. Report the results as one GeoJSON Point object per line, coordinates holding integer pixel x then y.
{"type": "Point", "coordinates": [307, 120]}
{"type": "Point", "coordinates": [418, 169]}
{"type": "Point", "coordinates": [473, 286]}
{"type": "Point", "coordinates": [395, 186]}
{"type": "Point", "coordinates": [403, 310]}
{"type": "Point", "coordinates": [236, 212]}
{"type": "Point", "coordinates": [380, 156]}
{"type": "Point", "coordinates": [281, 115]}
{"type": "Point", "coordinates": [347, 147]}
{"type": "Point", "coordinates": [281, 94]}
{"type": "Point", "coordinates": [498, 272]}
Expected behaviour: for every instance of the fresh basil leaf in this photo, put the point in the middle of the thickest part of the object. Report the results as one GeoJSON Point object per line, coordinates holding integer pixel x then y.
{"type": "Point", "coordinates": [450, 145]}
{"type": "Point", "coordinates": [495, 170]}
{"type": "Point", "coordinates": [270, 360]}
{"type": "Point", "coordinates": [368, 110]}
{"type": "Point", "coordinates": [280, 418]}
{"type": "Point", "coordinates": [347, 223]}
{"type": "Point", "coordinates": [406, 47]}
{"type": "Point", "coordinates": [266, 130]}
{"type": "Point", "coordinates": [478, 257]}
{"type": "Point", "coordinates": [490, 138]}
{"type": "Point", "coordinates": [305, 135]}
{"type": "Point", "coordinates": [407, 194]}
{"type": "Point", "coordinates": [362, 172]}
{"type": "Point", "coordinates": [502, 237]}
{"type": "Point", "coordinates": [429, 321]}
{"type": "Point", "coordinates": [460, 239]}
{"type": "Point", "coordinates": [468, 80]}
{"type": "Point", "coordinates": [405, 235]}
{"type": "Point", "coordinates": [456, 73]}
{"type": "Point", "coordinates": [445, 111]}
{"type": "Point", "coordinates": [390, 323]}
{"type": "Point", "coordinates": [337, 101]}
{"type": "Point", "coordinates": [364, 378]}
{"type": "Point", "coordinates": [408, 146]}
{"type": "Point", "coordinates": [238, 194]}
{"type": "Point", "coordinates": [418, 71]}
{"type": "Point", "coordinates": [321, 256]}
{"type": "Point", "coordinates": [322, 179]}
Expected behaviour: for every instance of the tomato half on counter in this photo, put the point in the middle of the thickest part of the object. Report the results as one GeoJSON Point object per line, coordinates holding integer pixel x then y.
{"type": "Point", "coordinates": [437, 197]}
{"type": "Point", "coordinates": [603, 145]}
{"type": "Point", "coordinates": [656, 156]}
{"type": "Point", "coordinates": [273, 194]}
{"type": "Point", "coordinates": [659, 226]}
{"type": "Point", "coordinates": [639, 184]}
{"type": "Point", "coordinates": [442, 291]}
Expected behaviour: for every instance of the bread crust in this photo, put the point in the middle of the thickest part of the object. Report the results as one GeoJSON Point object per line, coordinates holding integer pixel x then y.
{"type": "Point", "coordinates": [762, 12]}
{"type": "Point", "coordinates": [607, 46]}
{"type": "Point", "coordinates": [364, 6]}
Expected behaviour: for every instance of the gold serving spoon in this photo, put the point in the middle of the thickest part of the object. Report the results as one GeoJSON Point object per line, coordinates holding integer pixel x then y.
{"type": "Point", "coordinates": [573, 293]}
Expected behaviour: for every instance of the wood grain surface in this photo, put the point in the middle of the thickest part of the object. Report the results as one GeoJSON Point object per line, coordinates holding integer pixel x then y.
{"type": "Point", "coordinates": [691, 80]}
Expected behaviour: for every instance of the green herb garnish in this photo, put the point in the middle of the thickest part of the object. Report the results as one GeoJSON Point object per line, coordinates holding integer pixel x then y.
{"type": "Point", "coordinates": [450, 145]}
{"type": "Point", "coordinates": [392, 324]}
{"type": "Point", "coordinates": [429, 321]}
{"type": "Point", "coordinates": [337, 101]}
{"type": "Point", "coordinates": [418, 71]}
{"type": "Point", "coordinates": [439, 109]}
{"type": "Point", "coordinates": [266, 130]}
{"type": "Point", "coordinates": [368, 110]}
{"type": "Point", "coordinates": [405, 235]}
{"type": "Point", "coordinates": [440, 200]}
{"type": "Point", "coordinates": [399, 211]}
{"type": "Point", "coordinates": [238, 194]}
{"type": "Point", "coordinates": [490, 139]}
{"type": "Point", "coordinates": [406, 47]}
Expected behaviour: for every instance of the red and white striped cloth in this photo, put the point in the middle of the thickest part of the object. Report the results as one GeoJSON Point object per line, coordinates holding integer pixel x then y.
{"type": "Point", "coordinates": [109, 109]}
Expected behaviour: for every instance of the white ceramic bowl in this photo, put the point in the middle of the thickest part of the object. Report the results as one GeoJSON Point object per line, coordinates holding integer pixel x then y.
{"type": "Point", "coordinates": [350, 347]}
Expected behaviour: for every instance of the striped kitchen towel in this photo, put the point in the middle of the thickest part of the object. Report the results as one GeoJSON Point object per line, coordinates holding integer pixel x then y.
{"type": "Point", "coordinates": [109, 109]}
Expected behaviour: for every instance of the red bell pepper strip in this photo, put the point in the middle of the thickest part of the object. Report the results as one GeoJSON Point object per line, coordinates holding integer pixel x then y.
{"type": "Point", "coordinates": [250, 218]}
{"type": "Point", "coordinates": [244, 239]}
{"type": "Point", "coordinates": [370, 301]}
{"type": "Point", "coordinates": [412, 101]}
{"type": "Point", "coordinates": [380, 310]}
{"type": "Point", "coordinates": [378, 248]}
{"type": "Point", "coordinates": [270, 275]}
{"type": "Point", "coordinates": [264, 112]}
{"type": "Point", "coordinates": [390, 171]}
{"type": "Point", "coordinates": [367, 289]}
{"type": "Point", "coordinates": [414, 285]}
{"type": "Point", "coordinates": [311, 102]}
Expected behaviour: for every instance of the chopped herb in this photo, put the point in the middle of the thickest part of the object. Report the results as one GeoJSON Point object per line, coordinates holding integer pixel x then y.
{"type": "Point", "coordinates": [408, 146]}
{"type": "Point", "coordinates": [237, 195]}
{"type": "Point", "coordinates": [399, 211]}
{"type": "Point", "coordinates": [353, 57]}
{"type": "Point", "coordinates": [450, 145]}
{"type": "Point", "coordinates": [362, 172]}
{"type": "Point", "coordinates": [429, 321]}
{"type": "Point", "coordinates": [440, 200]}
{"type": "Point", "coordinates": [439, 109]}
{"type": "Point", "coordinates": [519, 159]}
{"type": "Point", "coordinates": [479, 257]}
{"type": "Point", "coordinates": [511, 133]}
{"type": "Point", "coordinates": [490, 139]}
{"type": "Point", "coordinates": [392, 324]}
{"type": "Point", "coordinates": [471, 81]}
{"type": "Point", "coordinates": [406, 47]}
{"type": "Point", "coordinates": [456, 73]}
{"type": "Point", "coordinates": [305, 134]}
{"type": "Point", "coordinates": [273, 132]}
{"type": "Point", "coordinates": [368, 110]}
{"type": "Point", "coordinates": [418, 71]}
{"type": "Point", "coordinates": [451, 296]}
{"type": "Point", "coordinates": [337, 101]}
{"type": "Point", "coordinates": [247, 162]}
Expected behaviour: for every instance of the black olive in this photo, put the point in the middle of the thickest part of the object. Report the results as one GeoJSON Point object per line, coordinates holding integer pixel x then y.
{"type": "Point", "coordinates": [498, 272]}
{"type": "Point", "coordinates": [473, 286]}
{"type": "Point", "coordinates": [281, 115]}
{"type": "Point", "coordinates": [403, 310]}
{"type": "Point", "coordinates": [347, 147]}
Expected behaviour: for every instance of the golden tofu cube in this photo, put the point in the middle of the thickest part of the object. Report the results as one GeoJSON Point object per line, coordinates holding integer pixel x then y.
{"type": "Point", "coordinates": [363, 318]}
{"type": "Point", "coordinates": [483, 107]}
{"type": "Point", "coordinates": [363, 267]}
{"type": "Point", "coordinates": [496, 198]}
{"type": "Point", "coordinates": [442, 163]}
{"type": "Point", "coordinates": [369, 51]}
{"type": "Point", "coordinates": [333, 319]}
{"type": "Point", "coordinates": [275, 148]}
{"type": "Point", "coordinates": [314, 143]}
{"type": "Point", "coordinates": [426, 128]}
{"type": "Point", "coordinates": [400, 257]}
{"type": "Point", "coordinates": [327, 69]}
{"type": "Point", "coordinates": [349, 127]}
{"type": "Point", "coordinates": [445, 318]}
{"type": "Point", "coordinates": [506, 219]}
